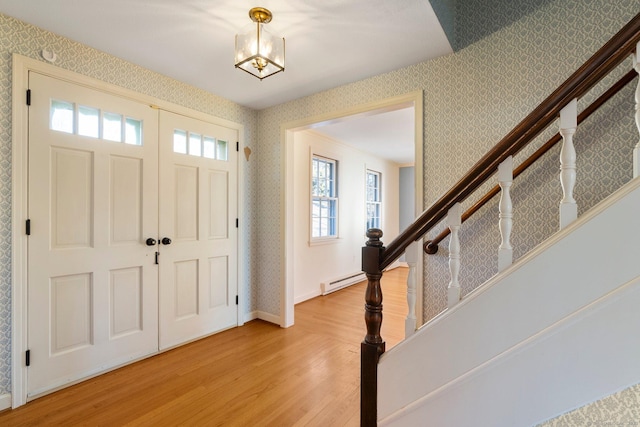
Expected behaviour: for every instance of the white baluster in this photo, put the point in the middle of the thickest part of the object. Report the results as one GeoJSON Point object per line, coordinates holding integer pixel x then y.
{"type": "Point", "coordinates": [636, 150]}
{"type": "Point", "coordinates": [505, 179]}
{"type": "Point", "coordinates": [568, 125]}
{"type": "Point", "coordinates": [454, 219]}
{"type": "Point", "coordinates": [411, 257]}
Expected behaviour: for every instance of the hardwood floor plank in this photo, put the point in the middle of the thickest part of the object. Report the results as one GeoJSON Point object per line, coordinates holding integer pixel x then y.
{"type": "Point", "coordinates": [255, 375]}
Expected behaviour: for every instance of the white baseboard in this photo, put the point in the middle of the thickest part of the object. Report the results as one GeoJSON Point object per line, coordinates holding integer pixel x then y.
{"type": "Point", "coordinates": [252, 315]}
{"type": "Point", "coordinates": [302, 298]}
{"type": "Point", "coordinates": [5, 401]}
{"type": "Point", "coordinates": [267, 317]}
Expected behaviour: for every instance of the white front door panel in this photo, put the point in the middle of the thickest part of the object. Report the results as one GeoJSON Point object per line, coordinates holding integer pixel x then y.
{"type": "Point", "coordinates": [93, 282]}
{"type": "Point", "coordinates": [198, 210]}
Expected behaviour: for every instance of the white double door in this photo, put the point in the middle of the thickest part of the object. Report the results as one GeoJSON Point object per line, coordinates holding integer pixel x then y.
{"type": "Point", "coordinates": [133, 241]}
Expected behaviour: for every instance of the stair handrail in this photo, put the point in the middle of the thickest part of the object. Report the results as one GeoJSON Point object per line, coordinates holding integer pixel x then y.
{"type": "Point", "coordinates": [431, 246]}
{"type": "Point", "coordinates": [580, 82]}
{"type": "Point", "coordinates": [376, 257]}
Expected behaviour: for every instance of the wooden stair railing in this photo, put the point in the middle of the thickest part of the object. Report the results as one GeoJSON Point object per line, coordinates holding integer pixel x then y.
{"type": "Point", "coordinates": [431, 246]}
{"type": "Point", "coordinates": [376, 257]}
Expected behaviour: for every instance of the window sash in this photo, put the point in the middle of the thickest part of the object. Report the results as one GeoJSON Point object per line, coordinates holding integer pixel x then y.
{"type": "Point", "coordinates": [373, 214]}
{"type": "Point", "coordinates": [373, 202]}
{"type": "Point", "coordinates": [324, 200]}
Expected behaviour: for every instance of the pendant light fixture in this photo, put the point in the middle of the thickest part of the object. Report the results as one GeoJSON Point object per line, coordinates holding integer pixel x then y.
{"type": "Point", "coordinates": [258, 52]}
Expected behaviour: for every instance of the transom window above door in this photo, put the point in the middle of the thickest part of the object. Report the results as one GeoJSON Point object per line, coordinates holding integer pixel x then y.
{"type": "Point", "coordinates": [84, 120]}
{"type": "Point", "coordinates": [195, 144]}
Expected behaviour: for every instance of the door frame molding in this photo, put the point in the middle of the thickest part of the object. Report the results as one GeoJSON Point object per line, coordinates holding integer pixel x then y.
{"type": "Point", "coordinates": [19, 204]}
{"type": "Point", "coordinates": [287, 130]}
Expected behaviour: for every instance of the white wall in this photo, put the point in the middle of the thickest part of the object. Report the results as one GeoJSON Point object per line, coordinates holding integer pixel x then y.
{"type": "Point", "coordinates": [313, 264]}
{"type": "Point", "coordinates": [407, 199]}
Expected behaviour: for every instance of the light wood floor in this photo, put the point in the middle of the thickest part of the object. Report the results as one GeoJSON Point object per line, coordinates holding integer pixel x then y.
{"type": "Point", "coordinates": [255, 375]}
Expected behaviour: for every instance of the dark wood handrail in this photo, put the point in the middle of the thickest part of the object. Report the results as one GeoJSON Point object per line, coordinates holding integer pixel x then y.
{"type": "Point", "coordinates": [591, 72]}
{"type": "Point", "coordinates": [431, 246]}
{"type": "Point", "coordinates": [375, 257]}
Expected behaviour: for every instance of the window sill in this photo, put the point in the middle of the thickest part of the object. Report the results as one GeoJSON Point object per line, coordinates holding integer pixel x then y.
{"type": "Point", "coordinates": [324, 241]}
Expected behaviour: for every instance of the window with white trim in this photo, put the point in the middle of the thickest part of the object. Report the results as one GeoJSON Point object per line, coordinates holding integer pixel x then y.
{"type": "Point", "coordinates": [194, 144]}
{"type": "Point", "coordinates": [324, 198]}
{"type": "Point", "coordinates": [83, 120]}
{"type": "Point", "coordinates": [374, 201]}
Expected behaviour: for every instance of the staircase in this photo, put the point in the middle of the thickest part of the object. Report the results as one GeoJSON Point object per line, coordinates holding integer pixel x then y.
{"type": "Point", "coordinates": [548, 334]}
{"type": "Point", "coordinates": [551, 333]}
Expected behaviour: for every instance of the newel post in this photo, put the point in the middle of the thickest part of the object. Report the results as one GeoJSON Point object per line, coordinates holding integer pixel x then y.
{"type": "Point", "coordinates": [373, 345]}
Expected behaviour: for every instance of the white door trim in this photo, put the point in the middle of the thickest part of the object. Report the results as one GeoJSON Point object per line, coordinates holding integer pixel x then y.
{"type": "Point", "coordinates": [19, 175]}
{"type": "Point", "coordinates": [286, 206]}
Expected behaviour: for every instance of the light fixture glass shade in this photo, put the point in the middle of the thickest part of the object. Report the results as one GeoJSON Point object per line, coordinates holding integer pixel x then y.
{"type": "Point", "coordinates": [259, 52]}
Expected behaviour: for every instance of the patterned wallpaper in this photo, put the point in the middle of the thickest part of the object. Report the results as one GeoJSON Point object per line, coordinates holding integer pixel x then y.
{"type": "Point", "coordinates": [445, 10]}
{"type": "Point", "coordinates": [471, 98]}
{"type": "Point", "coordinates": [18, 37]}
{"type": "Point", "coordinates": [618, 410]}
{"type": "Point", "coordinates": [467, 21]}
{"type": "Point", "coordinates": [477, 95]}
{"type": "Point", "coordinates": [477, 19]}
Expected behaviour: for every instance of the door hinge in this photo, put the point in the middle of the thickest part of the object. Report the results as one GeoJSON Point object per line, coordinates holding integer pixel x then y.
{"type": "Point", "coordinates": [28, 227]}
{"type": "Point", "coordinates": [28, 96]}
{"type": "Point", "coordinates": [236, 299]}
{"type": "Point", "coordinates": [27, 358]}
{"type": "Point", "coordinates": [237, 145]}
{"type": "Point", "coordinates": [237, 223]}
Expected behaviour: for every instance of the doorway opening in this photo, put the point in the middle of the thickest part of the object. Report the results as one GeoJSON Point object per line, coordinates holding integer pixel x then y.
{"type": "Point", "coordinates": [301, 141]}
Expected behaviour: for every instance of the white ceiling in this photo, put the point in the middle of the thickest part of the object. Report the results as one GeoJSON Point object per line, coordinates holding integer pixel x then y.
{"type": "Point", "coordinates": [328, 42]}
{"type": "Point", "coordinates": [388, 135]}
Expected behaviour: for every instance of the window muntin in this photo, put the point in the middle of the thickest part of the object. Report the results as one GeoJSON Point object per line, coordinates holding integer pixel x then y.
{"type": "Point", "coordinates": [92, 122]}
{"type": "Point", "coordinates": [324, 198]}
{"type": "Point", "coordinates": [374, 199]}
{"type": "Point", "coordinates": [198, 145]}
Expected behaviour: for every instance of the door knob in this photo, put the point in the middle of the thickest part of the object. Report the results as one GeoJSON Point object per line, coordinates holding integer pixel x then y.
{"type": "Point", "coordinates": [165, 241]}
{"type": "Point", "coordinates": [151, 241]}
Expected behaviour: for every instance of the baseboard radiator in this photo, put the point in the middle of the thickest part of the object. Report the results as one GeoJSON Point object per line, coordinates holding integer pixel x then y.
{"type": "Point", "coordinates": [341, 282]}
